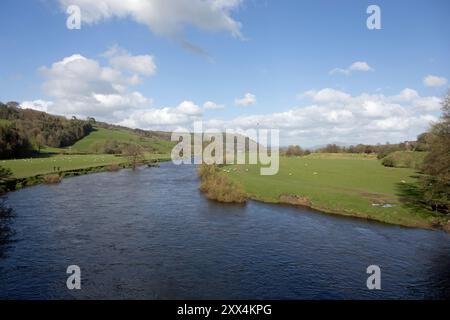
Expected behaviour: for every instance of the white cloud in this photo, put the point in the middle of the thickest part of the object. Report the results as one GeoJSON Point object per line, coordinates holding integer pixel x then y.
{"type": "Point", "coordinates": [407, 95]}
{"type": "Point", "coordinates": [360, 66]}
{"type": "Point", "coordinates": [169, 118]}
{"type": "Point", "coordinates": [39, 105]}
{"type": "Point", "coordinates": [327, 95]}
{"type": "Point", "coordinates": [164, 17]}
{"type": "Point", "coordinates": [434, 81]}
{"type": "Point", "coordinates": [120, 59]}
{"type": "Point", "coordinates": [189, 108]}
{"type": "Point", "coordinates": [209, 105]}
{"type": "Point", "coordinates": [81, 86]}
{"type": "Point", "coordinates": [356, 66]}
{"type": "Point", "coordinates": [247, 100]}
{"type": "Point", "coordinates": [337, 116]}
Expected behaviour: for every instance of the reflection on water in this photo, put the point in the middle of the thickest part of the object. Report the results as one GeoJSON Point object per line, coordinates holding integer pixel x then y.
{"type": "Point", "coordinates": [6, 232]}
{"type": "Point", "coordinates": [150, 234]}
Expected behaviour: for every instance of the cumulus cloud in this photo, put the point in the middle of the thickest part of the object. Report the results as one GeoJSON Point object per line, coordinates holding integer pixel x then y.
{"type": "Point", "coordinates": [330, 115]}
{"type": "Point", "coordinates": [120, 59]}
{"type": "Point", "coordinates": [168, 118]}
{"type": "Point", "coordinates": [434, 81]}
{"type": "Point", "coordinates": [39, 105]}
{"type": "Point", "coordinates": [83, 87]}
{"type": "Point", "coordinates": [164, 17]}
{"type": "Point", "coordinates": [356, 66]}
{"type": "Point", "coordinates": [248, 100]}
{"type": "Point", "coordinates": [209, 105]}
{"type": "Point", "coordinates": [327, 95]}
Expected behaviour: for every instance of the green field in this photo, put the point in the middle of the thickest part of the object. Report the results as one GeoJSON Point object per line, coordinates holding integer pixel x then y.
{"type": "Point", "coordinates": [101, 135]}
{"type": "Point", "coordinates": [351, 185]}
{"type": "Point", "coordinates": [80, 156]}
{"type": "Point", "coordinates": [23, 168]}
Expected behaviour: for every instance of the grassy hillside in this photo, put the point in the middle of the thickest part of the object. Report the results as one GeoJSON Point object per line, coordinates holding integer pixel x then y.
{"type": "Point", "coordinates": [344, 184]}
{"type": "Point", "coordinates": [102, 135]}
{"type": "Point", "coordinates": [83, 148]}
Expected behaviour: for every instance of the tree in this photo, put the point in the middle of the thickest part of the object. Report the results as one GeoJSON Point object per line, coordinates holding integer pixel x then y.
{"type": "Point", "coordinates": [5, 174]}
{"type": "Point", "coordinates": [39, 142]}
{"type": "Point", "coordinates": [294, 151]}
{"type": "Point", "coordinates": [423, 141]}
{"type": "Point", "coordinates": [331, 148]}
{"type": "Point", "coordinates": [134, 153]}
{"type": "Point", "coordinates": [436, 165]}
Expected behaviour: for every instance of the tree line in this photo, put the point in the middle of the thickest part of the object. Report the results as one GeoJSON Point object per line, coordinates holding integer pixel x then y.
{"type": "Point", "coordinates": [24, 132]}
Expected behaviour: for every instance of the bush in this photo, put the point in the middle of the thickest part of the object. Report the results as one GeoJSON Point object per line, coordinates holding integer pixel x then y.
{"type": "Point", "coordinates": [294, 151]}
{"type": "Point", "coordinates": [112, 168]}
{"type": "Point", "coordinates": [219, 187]}
{"type": "Point", "coordinates": [388, 162]}
{"type": "Point", "coordinates": [52, 179]}
{"type": "Point", "coordinates": [404, 159]}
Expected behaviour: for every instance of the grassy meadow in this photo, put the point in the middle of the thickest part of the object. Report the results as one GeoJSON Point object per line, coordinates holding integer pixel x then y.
{"type": "Point", "coordinates": [23, 168]}
{"type": "Point", "coordinates": [348, 184]}
{"type": "Point", "coordinates": [102, 135]}
{"type": "Point", "coordinates": [81, 156]}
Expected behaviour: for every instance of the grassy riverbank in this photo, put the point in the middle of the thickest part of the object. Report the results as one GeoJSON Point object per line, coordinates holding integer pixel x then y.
{"type": "Point", "coordinates": [24, 168]}
{"type": "Point", "coordinates": [351, 185]}
{"type": "Point", "coordinates": [32, 171]}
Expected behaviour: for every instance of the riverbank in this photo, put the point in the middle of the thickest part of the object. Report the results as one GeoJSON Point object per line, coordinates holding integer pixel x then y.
{"type": "Point", "coordinates": [53, 168]}
{"type": "Point", "coordinates": [344, 185]}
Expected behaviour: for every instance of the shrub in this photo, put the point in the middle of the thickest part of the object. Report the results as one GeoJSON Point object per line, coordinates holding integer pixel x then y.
{"type": "Point", "coordinates": [112, 168]}
{"type": "Point", "coordinates": [219, 187]}
{"type": "Point", "coordinates": [404, 159]}
{"type": "Point", "coordinates": [388, 162]}
{"type": "Point", "coordinates": [52, 179]}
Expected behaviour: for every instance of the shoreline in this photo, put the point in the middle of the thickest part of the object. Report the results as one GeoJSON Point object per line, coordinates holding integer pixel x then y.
{"type": "Point", "coordinates": [15, 184]}
{"type": "Point", "coordinates": [439, 224]}
{"type": "Point", "coordinates": [355, 215]}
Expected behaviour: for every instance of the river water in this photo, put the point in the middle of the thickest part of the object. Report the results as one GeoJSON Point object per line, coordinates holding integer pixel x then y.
{"type": "Point", "coordinates": [150, 234]}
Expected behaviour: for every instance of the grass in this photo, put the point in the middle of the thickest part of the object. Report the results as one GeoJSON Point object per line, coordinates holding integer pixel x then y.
{"type": "Point", "coordinates": [24, 168]}
{"type": "Point", "coordinates": [101, 135]}
{"type": "Point", "coordinates": [79, 159]}
{"type": "Point", "coordinates": [345, 184]}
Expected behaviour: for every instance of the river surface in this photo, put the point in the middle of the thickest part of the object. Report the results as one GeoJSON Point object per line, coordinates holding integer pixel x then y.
{"type": "Point", "coordinates": [151, 234]}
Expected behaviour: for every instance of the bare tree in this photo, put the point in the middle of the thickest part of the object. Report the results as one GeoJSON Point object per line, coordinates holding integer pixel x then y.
{"type": "Point", "coordinates": [134, 153]}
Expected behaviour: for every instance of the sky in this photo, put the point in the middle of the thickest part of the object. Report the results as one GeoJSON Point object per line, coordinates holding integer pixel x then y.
{"type": "Point", "coordinates": [311, 69]}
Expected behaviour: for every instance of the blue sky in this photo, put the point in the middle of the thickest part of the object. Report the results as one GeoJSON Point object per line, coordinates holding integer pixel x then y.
{"type": "Point", "coordinates": [283, 58]}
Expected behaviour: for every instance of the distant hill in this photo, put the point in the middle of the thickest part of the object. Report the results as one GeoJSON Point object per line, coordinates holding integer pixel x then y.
{"type": "Point", "coordinates": [25, 132]}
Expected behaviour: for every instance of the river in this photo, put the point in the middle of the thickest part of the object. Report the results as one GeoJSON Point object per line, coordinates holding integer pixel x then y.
{"type": "Point", "coordinates": [150, 234]}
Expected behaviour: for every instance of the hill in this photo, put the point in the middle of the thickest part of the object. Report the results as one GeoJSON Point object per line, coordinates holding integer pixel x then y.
{"type": "Point", "coordinates": [25, 133]}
